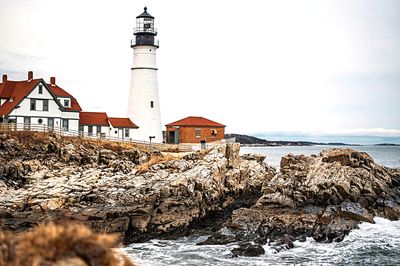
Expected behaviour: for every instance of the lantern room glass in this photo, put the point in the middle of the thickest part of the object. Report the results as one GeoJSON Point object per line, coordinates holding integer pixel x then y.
{"type": "Point", "coordinates": [145, 25]}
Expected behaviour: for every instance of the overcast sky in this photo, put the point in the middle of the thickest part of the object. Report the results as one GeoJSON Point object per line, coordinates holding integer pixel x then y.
{"type": "Point", "coordinates": [271, 68]}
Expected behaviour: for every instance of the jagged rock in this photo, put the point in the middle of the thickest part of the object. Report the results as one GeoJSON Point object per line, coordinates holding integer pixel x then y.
{"type": "Point", "coordinates": [254, 157]}
{"type": "Point", "coordinates": [323, 197]}
{"type": "Point", "coordinates": [105, 156]}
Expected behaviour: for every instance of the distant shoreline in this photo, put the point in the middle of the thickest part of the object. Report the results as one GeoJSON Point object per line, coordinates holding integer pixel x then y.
{"type": "Point", "coordinates": [250, 141]}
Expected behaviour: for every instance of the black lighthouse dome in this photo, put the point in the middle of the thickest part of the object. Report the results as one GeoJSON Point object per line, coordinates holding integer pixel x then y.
{"type": "Point", "coordinates": [145, 14]}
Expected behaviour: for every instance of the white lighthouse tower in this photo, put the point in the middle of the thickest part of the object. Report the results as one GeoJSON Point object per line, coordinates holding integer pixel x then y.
{"type": "Point", "coordinates": [144, 105]}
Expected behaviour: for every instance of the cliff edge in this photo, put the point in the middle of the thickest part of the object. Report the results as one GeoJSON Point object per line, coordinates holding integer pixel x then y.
{"type": "Point", "coordinates": [120, 188]}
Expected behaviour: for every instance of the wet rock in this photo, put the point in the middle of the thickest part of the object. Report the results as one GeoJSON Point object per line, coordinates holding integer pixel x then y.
{"type": "Point", "coordinates": [248, 250]}
{"type": "Point", "coordinates": [283, 243]}
{"type": "Point", "coordinates": [355, 212]}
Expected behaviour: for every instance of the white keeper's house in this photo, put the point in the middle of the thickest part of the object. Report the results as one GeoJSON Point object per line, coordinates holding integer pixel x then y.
{"type": "Point", "coordinates": [35, 104]}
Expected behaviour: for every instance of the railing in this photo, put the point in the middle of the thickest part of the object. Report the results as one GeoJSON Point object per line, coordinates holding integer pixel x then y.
{"type": "Point", "coordinates": [145, 29]}
{"type": "Point", "coordinates": [186, 147]}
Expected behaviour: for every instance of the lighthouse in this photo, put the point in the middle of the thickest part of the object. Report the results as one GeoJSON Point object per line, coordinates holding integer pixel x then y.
{"type": "Point", "coordinates": [144, 104]}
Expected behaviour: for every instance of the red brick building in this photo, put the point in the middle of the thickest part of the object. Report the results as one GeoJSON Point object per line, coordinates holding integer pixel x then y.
{"type": "Point", "coordinates": [194, 129]}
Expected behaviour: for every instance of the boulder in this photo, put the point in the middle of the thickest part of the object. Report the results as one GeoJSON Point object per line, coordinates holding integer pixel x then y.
{"type": "Point", "coordinates": [248, 250]}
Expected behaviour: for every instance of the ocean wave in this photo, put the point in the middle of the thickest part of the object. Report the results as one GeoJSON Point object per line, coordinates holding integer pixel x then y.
{"type": "Point", "coordinates": [377, 243]}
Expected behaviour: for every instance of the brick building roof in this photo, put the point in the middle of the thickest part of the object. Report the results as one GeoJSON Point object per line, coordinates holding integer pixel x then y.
{"type": "Point", "coordinates": [195, 121]}
{"type": "Point", "coordinates": [93, 118]}
{"type": "Point", "coordinates": [117, 122]}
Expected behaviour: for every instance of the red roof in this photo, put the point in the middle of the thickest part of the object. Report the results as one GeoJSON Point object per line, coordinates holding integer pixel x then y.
{"type": "Point", "coordinates": [15, 92]}
{"type": "Point", "coordinates": [59, 92]}
{"type": "Point", "coordinates": [195, 121]}
{"type": "Point", "coordinates": [122, 122]}
{"type": "Point", "coordinates": [93, 119]}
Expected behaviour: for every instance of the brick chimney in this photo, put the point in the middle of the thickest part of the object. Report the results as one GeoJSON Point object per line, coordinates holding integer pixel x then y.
{"type": "Point", "coordinates": [4, 78]}
{"type": "Point", "coordinates": [53, 81]}
{"type": "Point", "coordinates": [30, 75]}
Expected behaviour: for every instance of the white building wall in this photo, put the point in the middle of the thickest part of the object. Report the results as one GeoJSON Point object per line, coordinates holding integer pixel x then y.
{"type": "Point", "coordinates": [2, 101]}
{"type": "Point", "coordinates": [24, 108]}
{"type": "Point", "coordinates": [103, 130]}
{"type": "Point", "coordinates": [54, 111]}
{"type": "Point", "coordinates": [119, 133]}
{"type": "Point", "coordinates": [144, 90]}
{"type": "Point", "coordinates": [73, 120]}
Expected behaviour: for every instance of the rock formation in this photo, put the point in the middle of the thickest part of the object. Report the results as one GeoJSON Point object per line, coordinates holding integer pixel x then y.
{"type": "Point", "coordinates": [322, 196]}
{"type": "Point", "coordinates": [121, 189]}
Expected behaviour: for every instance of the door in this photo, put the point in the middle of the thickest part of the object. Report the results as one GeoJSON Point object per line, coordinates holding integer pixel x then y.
{"type": "Point", "coordinates": [50, 123]}
{"type": "Point", "coordinates": [27, 123]}
{"type": "Point", "coordinates": [171, 137]}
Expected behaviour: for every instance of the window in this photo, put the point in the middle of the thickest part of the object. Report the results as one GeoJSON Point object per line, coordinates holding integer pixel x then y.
{"type": "Point", "coordinates": [40, 89]}
{"type": "Point", "coordinates": [50, 122]}
{"type": "Point", "coordinates": [40, 121]}
{"type": "Point", "coordinates": [45, 105]}
{"type": "Point", "coordinates": [152, 104]}
{"type": "Point", "coordinates": [98, 130]}
{"type": "Point", "coordinates": [198, 132]}
{"type": "Point", "coordinates": [90, 130]}
{"type": "Point", "coordinates": [66, 103]}
{"type": "Point", "coordinates": [33, 104]}
{"type": "Point", "coordinates": [214, 133]}
{"type": "Point", "coordinates": [126, 132]}
{"type": "Point", "coordinates": [65, 124]}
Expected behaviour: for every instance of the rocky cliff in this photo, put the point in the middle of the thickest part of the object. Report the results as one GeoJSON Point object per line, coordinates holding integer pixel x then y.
{"type": "Point", "coordinates": [120, 188]}
{"type": "Point", "coordinates": [322, 196]}
{"type": "Point", "coordinates": [141, 193]}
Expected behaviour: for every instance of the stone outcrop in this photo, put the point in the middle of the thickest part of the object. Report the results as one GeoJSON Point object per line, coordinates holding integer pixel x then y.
{"type": "Point", "coordinates": [118, 188]}
{"type": "Point", "coordinates": [322, 196]}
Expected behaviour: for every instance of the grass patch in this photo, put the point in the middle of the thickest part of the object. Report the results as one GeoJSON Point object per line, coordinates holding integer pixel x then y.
{"type": "Point", "coordinates": [144, 167]}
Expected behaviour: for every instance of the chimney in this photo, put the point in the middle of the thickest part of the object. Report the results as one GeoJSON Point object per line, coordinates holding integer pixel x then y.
{"type": "Point", "coordinates": [4, 78]}
{"type": "Point", "coordinates": [30, 75]}
{"type": "Point", "coordinates": [53, 81]}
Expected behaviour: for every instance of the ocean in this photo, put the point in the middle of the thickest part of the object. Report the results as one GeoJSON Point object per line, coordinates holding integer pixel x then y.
{"type": "Point", "coordinates": [372, 244]}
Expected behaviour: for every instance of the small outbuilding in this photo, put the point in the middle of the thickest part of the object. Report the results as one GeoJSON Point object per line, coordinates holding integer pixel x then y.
{"type": "Point", "coordinates": [194, 129]}
{"type": "Point", "coordinates": [100, 125]}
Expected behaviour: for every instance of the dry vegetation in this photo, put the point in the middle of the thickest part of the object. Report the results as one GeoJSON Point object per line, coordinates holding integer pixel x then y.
{"type": "Point", "coordinates": [144, 167]}
{"type": "Point", "coordinates": [33, 138]}
{"type": "Point", "coordinates": [60, 245]}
